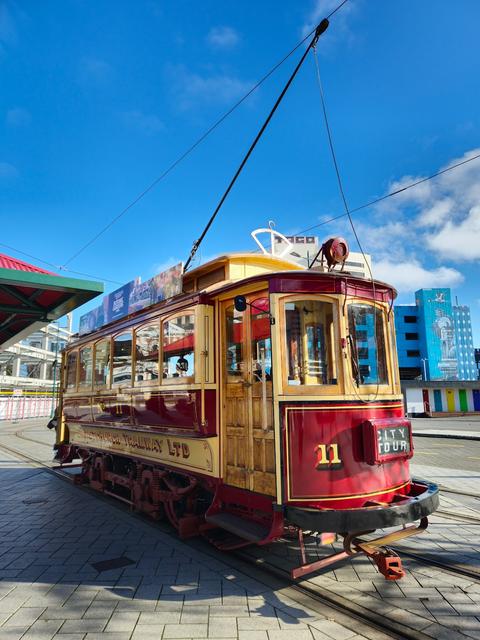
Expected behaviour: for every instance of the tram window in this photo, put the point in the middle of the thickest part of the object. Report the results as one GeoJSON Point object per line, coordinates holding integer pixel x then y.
{"type": "Point", "coordinates": [86, 367]}
{"type": "Point", "coordinates": [102, 363]}
{"type": "Point", "coordinates": [261, 341]}
{"type": "Point", "coordinates": [178, 347]}
{"type": "Point", "coordinates": [147, 340]}
{"type": "Point", "coordinates": [122, 360]}
{"type": "Point", "coordinates": [234, 358]}
{"type": "Point", "coordinates": [310, 343]}
{"type": "Point", "coordinates": [71, 370]}
{"type": "Point", "coordinates": [368, 355]}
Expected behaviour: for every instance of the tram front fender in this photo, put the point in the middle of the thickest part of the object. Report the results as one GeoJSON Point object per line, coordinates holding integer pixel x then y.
{"type": "Point", "coordinates": [422, 500]}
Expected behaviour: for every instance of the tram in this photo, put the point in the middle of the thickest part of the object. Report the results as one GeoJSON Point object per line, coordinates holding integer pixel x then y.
{"type": "Point", "coordinates": [262, 399]}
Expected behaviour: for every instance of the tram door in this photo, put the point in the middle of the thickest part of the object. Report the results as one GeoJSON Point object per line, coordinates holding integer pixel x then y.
{"type": "Point", "coordinates": [249, 447]}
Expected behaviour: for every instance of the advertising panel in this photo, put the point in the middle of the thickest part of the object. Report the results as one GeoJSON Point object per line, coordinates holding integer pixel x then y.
{"type": "Point", "coordinates": [132, 297]}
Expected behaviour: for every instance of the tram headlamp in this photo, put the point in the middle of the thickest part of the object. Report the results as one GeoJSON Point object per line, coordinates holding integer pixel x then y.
{"type": "Point", "coordinates": [386, 439]}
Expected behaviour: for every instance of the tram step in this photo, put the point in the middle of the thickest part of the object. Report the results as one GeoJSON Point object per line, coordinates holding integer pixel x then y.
{"type": "Point", "coordinates": [246, 529]}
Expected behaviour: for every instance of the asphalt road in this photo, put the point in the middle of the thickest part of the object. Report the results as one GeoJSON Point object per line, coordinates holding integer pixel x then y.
{"type": "Point", "coordinates": [448, 424]}
{"type": "Point", "coordinates": [448, 453]}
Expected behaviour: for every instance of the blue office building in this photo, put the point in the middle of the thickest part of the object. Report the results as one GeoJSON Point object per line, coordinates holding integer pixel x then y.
{"type": "Point", "coordinates": [434, 338]}
{"type": "Point", "coordinates": [467, 369]}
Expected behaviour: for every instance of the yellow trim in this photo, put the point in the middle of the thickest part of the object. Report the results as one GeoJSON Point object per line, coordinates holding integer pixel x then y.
{"type": "Point", "coordinates": [349, 497]}
{"type": "Point", "coordinates": [341, 406]}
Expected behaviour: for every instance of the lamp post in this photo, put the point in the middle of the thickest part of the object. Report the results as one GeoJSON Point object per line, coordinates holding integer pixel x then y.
{"type": "Point", "coordinates": [424, 361]}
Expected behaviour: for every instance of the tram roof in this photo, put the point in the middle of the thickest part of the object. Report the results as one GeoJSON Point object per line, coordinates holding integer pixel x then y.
{"type": "Point", "coordinates": [31, 297]}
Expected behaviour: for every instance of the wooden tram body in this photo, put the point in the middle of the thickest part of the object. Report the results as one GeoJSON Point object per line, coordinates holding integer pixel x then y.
{"type": "Point", "coordinates": [240, 424]}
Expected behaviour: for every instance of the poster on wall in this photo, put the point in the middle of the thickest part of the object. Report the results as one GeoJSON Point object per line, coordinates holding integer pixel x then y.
{"type": "Point", "coordinates": [132, 297]}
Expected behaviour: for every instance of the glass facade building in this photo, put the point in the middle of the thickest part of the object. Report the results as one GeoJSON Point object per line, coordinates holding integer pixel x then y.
{"type": "Point", "coordinates": [434, 338]}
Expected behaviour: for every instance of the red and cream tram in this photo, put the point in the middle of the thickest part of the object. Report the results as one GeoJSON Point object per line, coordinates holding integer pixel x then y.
{"type": "Point", "coordinates": [263, 397]}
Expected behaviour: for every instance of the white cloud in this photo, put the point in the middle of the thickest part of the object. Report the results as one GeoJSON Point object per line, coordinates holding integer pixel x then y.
{"type": "Point", "coordinates": [18, 117]}
{"type": "Point", "coordinates": [94, 70]}
{"type": "Point", "coordinates": [8, 171]}
{"type": "Point", "coordinates": [409, 276]}
{"type": "Point", "coordinates": [146, 123]}
{"type": "Point", "coordinates": [193, 89]}
{"type": "Point", "coordinates": [459, 239]}
{"type": "Point", "coordinates": [223, 37]}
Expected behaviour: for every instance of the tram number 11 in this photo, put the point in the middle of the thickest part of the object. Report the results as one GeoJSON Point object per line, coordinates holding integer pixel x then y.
{"type": "Point", "coordinates": [327, 457]}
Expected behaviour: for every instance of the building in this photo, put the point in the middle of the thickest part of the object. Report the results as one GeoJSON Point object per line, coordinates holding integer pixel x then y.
{"type": "Point", "coordinates": [467, 368]}
{"type": "Point", "coordinates": [30, 372]}
{"type": "Point", "coordinates": [305, 248]}
{"type": "Point", "coordinates": [434, 338]}
{"type": "Point", "coordinates": [477, 362]}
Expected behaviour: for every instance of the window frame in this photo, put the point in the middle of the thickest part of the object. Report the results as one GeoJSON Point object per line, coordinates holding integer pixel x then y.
{"type": "Point", "coordinates": [123, 384]}
{"type": "Point", "coordinates": [74, 387]}
{"type": "Point", "coordinates": [312, 389]}
{"type": "Point", "coordinates": [90, 345]}
{"type": "Point", "coordinates": [373, 386]}
{"type": "Point", "coordinates": [185, 380]}
{"type": "Point", "coordinates": [108, 383]}
{"type": "Point", "coordinates": [157, 322]}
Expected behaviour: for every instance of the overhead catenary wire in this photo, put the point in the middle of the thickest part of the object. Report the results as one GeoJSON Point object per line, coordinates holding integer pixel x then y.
{"type": "Point", "coordinates": [391, 194]}
{"type": "Point", "coordinates": [55, 266]}
{"type": "Point", "coordinates": [199, 140]}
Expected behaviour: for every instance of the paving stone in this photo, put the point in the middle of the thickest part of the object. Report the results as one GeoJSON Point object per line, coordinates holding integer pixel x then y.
{"type": "Point", "coordinates": [159, 617]}
{"type": "Point", "coordinates": [185, 631]}
{"type": "Point", "coordinates": [252, 635]}
{"type": "Point", "coordinates": [93, 625]}
{"type": "Point", "coordinates": [124, 621]}
{"type": "Point", "coordinates": [333, 629]}
{"type": "Point", "coordinates": [69, 636]}
{"type": "Point", "coordinates": [229, 611]}
{"type": "Point", "coordinates": [290, 634]}
{"type": "Point", "coordinates": [43, 630]}
{"type": "Point", "coordinates": [24, 616]}
{"type": "Point", "coordinates": [222, 628]}
{"type": "Point", "coordinates": [147, 632]}
{"type": "Point", "coordinates": [63, 613]}
{"type": "Point", "coordinates": [193, 614]}
{"type": "Point", "coordinates": [257, 623]}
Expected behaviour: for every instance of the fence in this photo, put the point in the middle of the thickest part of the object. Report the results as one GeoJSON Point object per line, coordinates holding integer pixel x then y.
{"type": "Point", "coordinates": [20, 407]}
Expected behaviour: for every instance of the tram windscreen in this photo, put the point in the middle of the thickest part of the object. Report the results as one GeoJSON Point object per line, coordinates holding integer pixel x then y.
{"type": "Point", "coordinates": [367, 344]}
{"type": "Point", "coordinates": [310, 343]}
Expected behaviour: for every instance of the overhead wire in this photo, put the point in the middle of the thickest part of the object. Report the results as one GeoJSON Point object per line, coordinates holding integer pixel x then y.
{"type": "Point", "coordinates": [395, 192]}
{"type": "Point", "coordinates": [199, 140]}
{"type": "Point", "coordinates": [353, 346]}
{"type": "Point", "coordinates": [56, 266]}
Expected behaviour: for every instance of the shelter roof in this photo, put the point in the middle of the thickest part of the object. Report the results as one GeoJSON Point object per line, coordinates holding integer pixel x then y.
{"type": "Point", "coordinates": [31, 297]}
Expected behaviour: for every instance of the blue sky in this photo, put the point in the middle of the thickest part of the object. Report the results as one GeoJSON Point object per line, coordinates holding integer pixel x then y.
{"type": "Point", "coordinates": [99, 97]}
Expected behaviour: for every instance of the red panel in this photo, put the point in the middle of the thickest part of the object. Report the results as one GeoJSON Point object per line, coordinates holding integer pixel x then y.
{"type": "Point", "coordinates": [326, 457]}
{"type": "Point", "coordinates": [7, 262]}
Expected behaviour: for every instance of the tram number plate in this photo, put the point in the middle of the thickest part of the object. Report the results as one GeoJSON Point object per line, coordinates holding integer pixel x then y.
{"type": "Point", "coordinates": [393, 440]}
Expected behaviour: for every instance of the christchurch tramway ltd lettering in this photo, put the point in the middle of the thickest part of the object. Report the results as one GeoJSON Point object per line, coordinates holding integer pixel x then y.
{"type": "Point", "coordinates": [169, 447]}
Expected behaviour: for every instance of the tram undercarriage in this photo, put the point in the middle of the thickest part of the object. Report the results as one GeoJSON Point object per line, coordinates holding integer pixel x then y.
{"type": "Point", "coordinates": [221, 514]}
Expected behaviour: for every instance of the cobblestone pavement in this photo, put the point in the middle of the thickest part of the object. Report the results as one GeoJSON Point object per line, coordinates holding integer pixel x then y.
{"type": "Point", "coordinates": [52, 532]}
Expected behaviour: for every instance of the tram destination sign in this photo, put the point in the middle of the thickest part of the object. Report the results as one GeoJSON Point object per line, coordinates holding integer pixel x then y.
{"type": "Point", "coordinates": [386, 439]}
{"type": "Point", "coordinates": [133, 296]}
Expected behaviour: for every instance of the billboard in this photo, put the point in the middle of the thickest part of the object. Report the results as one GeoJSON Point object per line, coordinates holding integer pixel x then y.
{"type": "Point", "coordinates": [132, 297]}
